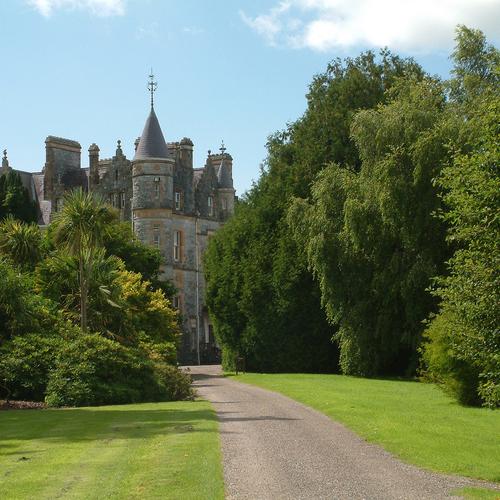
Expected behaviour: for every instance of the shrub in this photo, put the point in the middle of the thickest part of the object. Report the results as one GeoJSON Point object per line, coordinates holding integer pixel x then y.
{"type": "Point", "coordinates": [176, 383]}
{"type": "Point", "coordinates": [25, 362]}
{"type": "Point", "coordinates": [443, 365]}
{"type": "Point", "coordinates": [93, 370]}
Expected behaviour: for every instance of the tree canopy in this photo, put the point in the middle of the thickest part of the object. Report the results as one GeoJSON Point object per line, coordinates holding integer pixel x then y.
{"type": "Point", "coordinates": [375, 218]}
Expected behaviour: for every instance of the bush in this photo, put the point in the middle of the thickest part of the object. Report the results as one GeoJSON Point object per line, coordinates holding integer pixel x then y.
{"type": "Point", "coordinates": [93, 370]}
{"type": "Point", "coordinates": [176, 384]}
{"type": "Point", "coordinates": [443, 365]}
{"type": "Point", "coordinates": [25, 362]}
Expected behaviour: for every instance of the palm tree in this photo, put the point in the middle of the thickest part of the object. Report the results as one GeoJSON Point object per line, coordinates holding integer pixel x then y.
{"type": "Point", "coordinates": [80, 227]}
{"type": "Point", "coordinates": [21, 242]}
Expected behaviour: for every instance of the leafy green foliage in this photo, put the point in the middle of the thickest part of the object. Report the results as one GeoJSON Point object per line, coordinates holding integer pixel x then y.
{"type": "Point", "coordinates": [263, 300]}
{"type": "Point", "coordinates": [15, 199]}
{"type": "Point", "coordinates": [93, 370]}
{"type": "Point", "coordinates": [476, 66]}
{"type": "Point", "coordinates": [45, 290]}
{"type": "Point", "coordinates": [466, 333]}
{"type": "Point", "coordinates": [370, 237]}
{"type": "Point", "coordinates": [21, 310]}
{"type": "Point", "coordinates": [25, 363]}
{"type": "Point", "coordinates": [120, 241]}
{"type": "Point", "coordinates": [22, 243]}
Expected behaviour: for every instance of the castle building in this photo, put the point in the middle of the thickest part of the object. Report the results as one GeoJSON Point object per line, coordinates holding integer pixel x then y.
{"type": "Point", "coordinates": [170, 204]}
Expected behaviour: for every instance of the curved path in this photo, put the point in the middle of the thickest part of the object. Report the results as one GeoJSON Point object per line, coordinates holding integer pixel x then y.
{"type": "Point", "coordinates": [275, 448]}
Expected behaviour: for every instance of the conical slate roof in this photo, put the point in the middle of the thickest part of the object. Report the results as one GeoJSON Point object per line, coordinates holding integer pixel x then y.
{"type": "Point", "coordinates": [223, 176]}
{"type": "Point", "coordinates": [152, 143]}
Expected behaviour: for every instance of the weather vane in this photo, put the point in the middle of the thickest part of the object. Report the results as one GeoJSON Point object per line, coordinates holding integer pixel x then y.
{"type": "Point", "coordinates": [152, 86]}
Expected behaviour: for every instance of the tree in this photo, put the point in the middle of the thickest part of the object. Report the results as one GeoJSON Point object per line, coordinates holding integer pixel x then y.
{"type": "Point", "coordinates": [15, 199]}
{"type": "Point", "coordinates": [262, 298]}
{"type": "Point", "coordinates": [120, 241]}
{"type": "Point", "coordinates": [476, 67]}
{"type": "Point", "coordinates": [80, 226]}
{"type": "Point", "coordinates": [463, 340]}
{"type": "Point", "coordinates": [21, 242]}
{"type": "Point", "coordinates": [370, 236]}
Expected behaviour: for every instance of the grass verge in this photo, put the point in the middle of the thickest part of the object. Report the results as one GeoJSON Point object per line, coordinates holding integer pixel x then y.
{"type": "Point", "coordinates": [413, 420]}
{"type": "Point", "coordinates": [153, 450]}
{"type": "Point", "coordinates": [477, 493]}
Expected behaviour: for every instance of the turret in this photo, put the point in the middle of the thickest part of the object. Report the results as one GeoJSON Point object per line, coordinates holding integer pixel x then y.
{"type": "Point", "coordinates": [152, 185]}
{"type": "Point", "coordinates": [93, 166]}
{"type": "Point", "coordinates": [225, 188]}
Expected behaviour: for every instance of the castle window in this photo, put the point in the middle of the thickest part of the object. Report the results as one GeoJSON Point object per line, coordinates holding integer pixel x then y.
{"type": "Point", "coordinates": [178, 200]}
{"type": "Point", "coordinates": [116, 175]}
{"type": "Point", "coordinates": [224, 204]}
{"type": "Point", "coordinates": [210, 205]}
{"type": "Point", "coordinates": [157, 187]}
{"type": "Point", "coordinates": [177, 245]}
{"type": "Point", "coordinates": [115, 200]}
{"type": "Point", "coordinates": [122, 200]}
{"type": "Point", "coordinates": [156, 235]}
{"type": "Point", "coordinates": [175, 302]}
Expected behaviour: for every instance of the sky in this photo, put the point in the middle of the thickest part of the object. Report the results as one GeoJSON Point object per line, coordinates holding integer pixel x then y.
{"type": "Point", "coordinates": [232, 70]}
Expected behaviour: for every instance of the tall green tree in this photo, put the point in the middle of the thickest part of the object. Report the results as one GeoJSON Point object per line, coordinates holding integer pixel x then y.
{"type": "Point", "coordinates": [370, 236]}
{"type": "Point", "coordinates": [80, 227]}
{"type": "Point", "coordinates": [263, 300]}
{"type": "Point", "coordinates": [15, 199]}
{"type": "Point", "coordinates": [463, 341]}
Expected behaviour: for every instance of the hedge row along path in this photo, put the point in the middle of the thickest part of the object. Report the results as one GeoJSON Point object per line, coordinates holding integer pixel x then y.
{"type": "Point", "coordinates": [276, 448]}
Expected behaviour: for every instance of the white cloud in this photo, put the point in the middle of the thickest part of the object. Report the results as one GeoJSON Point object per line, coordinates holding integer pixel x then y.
{"type": "Point", "coordinates": [409, 25]}
{"type": "Point", "coordinates": [269, 25]}
{"type": "Point", "coordinates": [102, 8]}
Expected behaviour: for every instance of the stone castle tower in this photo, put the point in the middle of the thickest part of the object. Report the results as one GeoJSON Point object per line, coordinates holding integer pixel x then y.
{"type": "Point", "coordinates": [170, 204]}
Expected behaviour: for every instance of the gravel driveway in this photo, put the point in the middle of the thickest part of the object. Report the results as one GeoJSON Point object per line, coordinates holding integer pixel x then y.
{"type": "Point", "coordinates": [276, 448]}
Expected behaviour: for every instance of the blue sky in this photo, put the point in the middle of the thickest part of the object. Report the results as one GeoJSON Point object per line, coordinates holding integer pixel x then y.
{"type": "Point", "coordinates": [226, 69]}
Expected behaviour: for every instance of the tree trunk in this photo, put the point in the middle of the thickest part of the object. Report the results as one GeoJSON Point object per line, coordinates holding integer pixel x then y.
{"type": "Point", "coordinates": [83, 296]}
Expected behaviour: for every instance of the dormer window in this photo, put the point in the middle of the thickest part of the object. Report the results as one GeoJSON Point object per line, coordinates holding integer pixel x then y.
{"type": "Point", "coordinates": [210, 205]}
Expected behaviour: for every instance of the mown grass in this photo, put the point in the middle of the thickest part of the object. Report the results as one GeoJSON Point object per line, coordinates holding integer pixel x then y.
{"type": "Point", "coordinates": [478, 493]}
{"type": "Point", "coordinates": [413, 420]}
{"type": "Point", "coordinates": [157, 450]}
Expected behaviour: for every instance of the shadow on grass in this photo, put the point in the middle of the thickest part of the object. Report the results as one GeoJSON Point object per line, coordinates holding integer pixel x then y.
{"type": "Point", "coordinates": [89, 424]}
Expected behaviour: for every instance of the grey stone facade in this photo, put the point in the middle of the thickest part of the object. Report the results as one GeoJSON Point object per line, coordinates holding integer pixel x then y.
{"type": "Point", "coordinates": [170, 204]}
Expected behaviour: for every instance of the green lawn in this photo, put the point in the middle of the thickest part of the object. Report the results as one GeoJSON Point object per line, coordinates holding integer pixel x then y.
{"type": "Point", "coordinates": [154, 450]}
{"type": "Point", "coordinates": [413, 420]}
{"type": "Point", "coordinates": [477, 493]}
